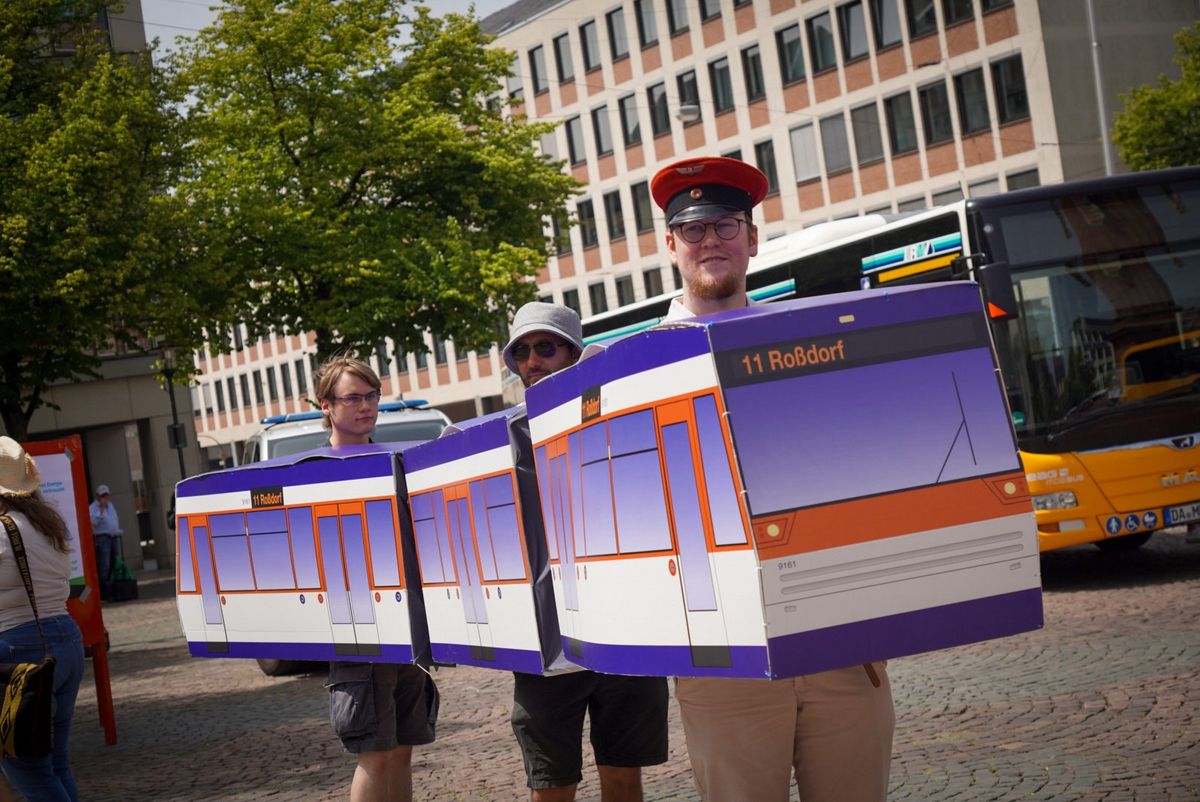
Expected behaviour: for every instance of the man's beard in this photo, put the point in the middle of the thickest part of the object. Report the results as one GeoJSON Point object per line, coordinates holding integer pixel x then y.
{"type": "Point", "coordinates": [715, 288]}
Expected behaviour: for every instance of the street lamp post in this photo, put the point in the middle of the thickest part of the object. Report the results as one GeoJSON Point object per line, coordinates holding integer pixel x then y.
{"type": "Point", "coordinates": [175, 435]}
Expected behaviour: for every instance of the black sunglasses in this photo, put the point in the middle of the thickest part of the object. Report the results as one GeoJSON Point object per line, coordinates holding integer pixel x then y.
{"type": "Point", "coordinates": [544, 348]}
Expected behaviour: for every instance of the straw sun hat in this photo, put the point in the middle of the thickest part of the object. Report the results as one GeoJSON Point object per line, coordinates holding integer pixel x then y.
{"type": "Point", "coordinates": [18, 471]}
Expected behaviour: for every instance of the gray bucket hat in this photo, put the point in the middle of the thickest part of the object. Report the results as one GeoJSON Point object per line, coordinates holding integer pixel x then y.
{"type": "Point", "coordinates": [538, 316]}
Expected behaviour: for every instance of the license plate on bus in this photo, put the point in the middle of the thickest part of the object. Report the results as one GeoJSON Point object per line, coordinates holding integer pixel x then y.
{"type": "Point", "coordinates": [1182, 514]}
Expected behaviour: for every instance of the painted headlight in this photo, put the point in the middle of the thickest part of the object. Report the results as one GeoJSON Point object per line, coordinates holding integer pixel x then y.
{"type": "Point", "coordinates": [1055, 501]}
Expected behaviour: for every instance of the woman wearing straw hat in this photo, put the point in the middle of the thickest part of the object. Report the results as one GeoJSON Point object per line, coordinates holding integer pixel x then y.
{"type": "Point", "coordinates": [48, 552]}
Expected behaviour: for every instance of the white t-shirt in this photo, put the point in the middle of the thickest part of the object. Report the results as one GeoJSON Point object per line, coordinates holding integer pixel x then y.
{"type": "Point", "coordinates": [49, 568]}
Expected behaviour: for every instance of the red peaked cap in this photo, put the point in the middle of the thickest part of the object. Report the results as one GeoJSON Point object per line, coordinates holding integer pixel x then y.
{"type": "Point", "coordinates": [696, 188]}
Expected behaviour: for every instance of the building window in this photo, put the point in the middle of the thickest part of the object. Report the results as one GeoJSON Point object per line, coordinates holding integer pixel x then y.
{"type": "Point", "coordinates": [231, 385]}
{"type": "Point", "coordinates": [238, 342]}
{"type": "Point", "coordinates": [911, 205]}
{"type": "Point", "coordinates": [740, 3]}
{"type": "Point", "coordinates": [834, 144]}
{"type": "Point", "coordinates": [992, 5]}
{"type": "Point", "coordinates": [571, 300]}
{"type": "Point", "coordinates": [660, 115]}
{"type": "Point", "coordinates": [589, 43]}
{"type": "Point", "coordinates": [820, 43]}
{"type": "Point", "coordinates": [381, 356]}
{"type": "Point", "coordinates": [957, 10]}
{"type": "Point", "coordinates": [804, 153]}
{"type": "Point", "coordinates": [756, 87]}
{"type": "Point", "coordinates": [537, 70]}
{"type": "Point", "coordinates": [562, 240]}
{"type": "Point", "coordinates": [301, 377]}
{"type": "Point", "coordinates": [285, 373]}
{"type": "Point", "coordinates": [614, 215]}
{"type": "Point", "coordinates": [643, 212]}
{"type": "Point", "coordinates": [902, 128]}
{"type": "Point", "coordinates": [1008, 82]}
{"type": "Point", "coordinates": [575, 148]}
{"type": "Point", "coordinates": [764, 156]}
{"type": "Point", "coordinates": [791, 54]}
{"type": "Point", "coordinates": [516, 89]}
{"type": "Point", "coordinates": [867, 140]}
{"type": "Point", "coordinates": [422, 359]}
{"type": "Point", "coordinates": [272, 384]}
{"type": "Point", "coordinates": [885, 22]}
{"type": "Point", "coordinates": [689, 93]}
{"type": "Point", "coordinates": [258, 387]}
{"type": "Point", "coordinates": [402, 359]}
{"type": "Point", "coordinates": [652, 281]}
{"type": "Point", "coordinates": [587, 223]}
{"type": "Point", "coordinates": [597, 297]}
{"type": "Point", "coordinates": [1021, 180]}
{"type": "Point", "coordinates": [647, 28]}
{"type": "Point", "coordinates": [676, 277]}
{"type": "Point", "coordinates": [631, 127]}
{"type": "Point", "coordinates": [935, 113]}
{"type": "Point", "coordinates": [980, 189]}
{"type": "Point", "coordinates": [601, 130]}
{"type": "Point", "coordinates": [562, 58]}
{"type": "Point", "coordinates": [722, 85]}
{"type": "Point", "coordinates": [947, 196]}
{"type": "Point", "coordinates": [853, 28]}
{"type": "Point", "coordinates": [709, 9]}
{"type": "Point", "coordinates": [736, 153]}
{"type": "Point", "coordinates": [439, 350]}
{"type": "Point", "coordinates": [677, 17]}
{"type": "Point", "coordinates": [618, 38]}
{"type": "Point", "coordinates": [244, 381]}
{"type": "Point", "coordinates": [922, 18]}
{"type": "Point", "coordinates": [972, 102]}
{"type": "Point", "coordinates": [220, 391]}
{"type": "Point", "coordinates": [624, 290]}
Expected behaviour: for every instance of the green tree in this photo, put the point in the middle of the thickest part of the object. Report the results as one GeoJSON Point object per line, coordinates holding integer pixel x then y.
{"type": "Point", "coordinates": [349, 174]}
{"type": "Point", "coordinates": [82, 177]}
{"type": "Point", "coordinates": [1160, 125]}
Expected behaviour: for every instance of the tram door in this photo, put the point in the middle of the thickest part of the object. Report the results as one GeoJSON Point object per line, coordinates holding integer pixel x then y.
{"type": "Point", "coordinates": [691, 521]}
{"type": "Point", "coordinates": [559, 528]}
{"type": "Point", "coordinates": [465, 548]}
{"type": "Point", "coordinates": [214, 620]}
{"type": "Point", "coordinates": [347, 587]}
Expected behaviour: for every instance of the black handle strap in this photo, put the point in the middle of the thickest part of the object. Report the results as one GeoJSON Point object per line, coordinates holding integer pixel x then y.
{"type": "Point", "coordinates": [18, 547]}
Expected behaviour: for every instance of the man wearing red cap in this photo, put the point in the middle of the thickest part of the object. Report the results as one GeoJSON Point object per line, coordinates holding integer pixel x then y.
{"type": "Point", "coordinates": [745, 736]}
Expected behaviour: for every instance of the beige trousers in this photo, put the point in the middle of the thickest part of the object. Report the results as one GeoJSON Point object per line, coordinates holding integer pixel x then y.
{"type": "Point", "coordinates": [745, 736]}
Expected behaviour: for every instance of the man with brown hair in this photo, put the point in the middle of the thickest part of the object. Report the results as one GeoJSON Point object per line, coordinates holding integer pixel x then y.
{"type": "Point", "coordinates": [746, 736]}
{"type": "Point", "coordinates": [379, 710]}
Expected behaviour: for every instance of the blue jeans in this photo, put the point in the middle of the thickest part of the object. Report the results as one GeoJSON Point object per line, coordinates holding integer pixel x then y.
{"type": "Point", "coordinates": [48, 779]}
{"type": "Point", "coordinates": [108, 548]}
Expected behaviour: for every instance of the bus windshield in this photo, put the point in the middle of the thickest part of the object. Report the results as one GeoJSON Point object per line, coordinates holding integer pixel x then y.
{"type": "Point", "coordinates": [1105, 348]}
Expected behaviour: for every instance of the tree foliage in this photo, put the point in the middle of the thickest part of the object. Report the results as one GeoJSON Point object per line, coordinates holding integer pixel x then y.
{"type": "Point", "coordinates": [347, 174]}
{"type": "Point", "coordinates": [1160, 125]}
{"type": "Point", "coordinates": [82, 178]}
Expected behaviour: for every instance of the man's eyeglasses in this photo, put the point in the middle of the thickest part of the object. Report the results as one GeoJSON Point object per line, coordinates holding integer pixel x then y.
{"type": "Point", "coordinates": [354, 399]}
{"type": "Point", "coordinates": [543, 348]}
{"type": "Point", "coordinates": [727, 228]}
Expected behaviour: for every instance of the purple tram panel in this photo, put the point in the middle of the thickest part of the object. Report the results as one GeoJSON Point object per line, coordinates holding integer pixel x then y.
{"type": "Point", "coordinates": [305, 557]}
{"type": "Point", "coordinates": [787, 488]}
{"type": "Point", "coordinates": [481, 548]}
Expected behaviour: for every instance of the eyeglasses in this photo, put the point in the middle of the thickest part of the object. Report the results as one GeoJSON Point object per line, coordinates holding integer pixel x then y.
{"type": "Point", "coordinates": [727, 228]}
{"type": "Point", "coordinates": [543, 348]}
{"type": "Point", "coordinates": [354, 399]}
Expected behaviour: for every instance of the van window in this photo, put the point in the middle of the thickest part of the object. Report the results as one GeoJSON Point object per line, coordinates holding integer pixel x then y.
{"type": "Point", "coordinates": [386, 432]}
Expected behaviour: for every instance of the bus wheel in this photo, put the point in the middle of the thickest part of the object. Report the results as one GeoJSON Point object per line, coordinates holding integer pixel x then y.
{"type": "Point", "coordinates": [283, 668]}
{"type": "Point", "coordinates": [1124, 543]}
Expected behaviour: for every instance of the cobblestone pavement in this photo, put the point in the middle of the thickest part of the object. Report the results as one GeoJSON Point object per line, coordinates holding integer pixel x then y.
{"type": "Point", "coordinates": [1101, 704]}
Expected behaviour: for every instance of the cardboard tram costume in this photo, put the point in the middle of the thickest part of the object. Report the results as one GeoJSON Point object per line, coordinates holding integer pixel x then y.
{"type": "Point", "coordinates": [767, 492]}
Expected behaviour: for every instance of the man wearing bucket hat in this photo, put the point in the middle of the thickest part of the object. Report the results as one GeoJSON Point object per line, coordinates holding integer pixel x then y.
{"type": "Point", "coordinates": [26, 637]}
{"type": "Point", "coordinates": [106, 538]}
{"type": "Point", "coordinates": [746, 736]}
{"type": "Point", "coordinates": [628, 714]}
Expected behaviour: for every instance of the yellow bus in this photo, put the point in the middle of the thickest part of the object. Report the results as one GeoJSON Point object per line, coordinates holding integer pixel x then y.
{"type": "Point", "coordinates": [1094, 293]}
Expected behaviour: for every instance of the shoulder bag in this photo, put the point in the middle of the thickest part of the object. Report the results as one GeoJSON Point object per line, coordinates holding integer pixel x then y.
{"type": "Point", "coordinates": [26, 706]}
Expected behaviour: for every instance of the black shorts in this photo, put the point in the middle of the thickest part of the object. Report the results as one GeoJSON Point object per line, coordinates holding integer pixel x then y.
{"type": "Point", "coordinates": [628, 719]}
{"type": "Point", "coordinates": [375, 707]}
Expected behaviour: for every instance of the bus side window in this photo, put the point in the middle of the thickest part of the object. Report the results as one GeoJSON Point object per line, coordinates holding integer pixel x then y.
{"type": "Point", "coordinates": [573, 527]}
{"type": "Point", "coordinates": [600, 536]}
{"type": "Point", "coordinates": [304, 548]}
{"type": "Point", "coordinates": [231, 551]}
{"type": "Point", "coordinates": [269, 550]}
{"type": "Point", "coordinates": [543, 477]}
{"type": "Point", "coordinates": [381, 537]}
{"type": "Point", "coordinates": [506, 532]}
{"type": "Point", "coordinates": [637, 484]}
{"type": "Point", "coordinates": [187, 571]}
{"type": "Point", "coordinates": [728, 528]}
{"type": "Point", "coordinates": [429, 542]}
{"type": "Point", "coordinates": [483, 535]}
